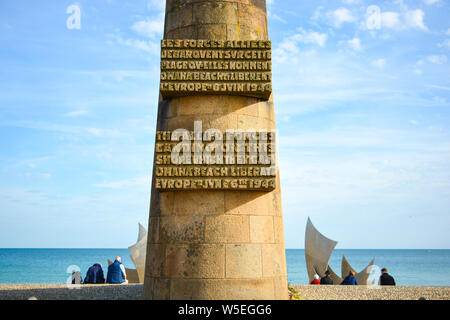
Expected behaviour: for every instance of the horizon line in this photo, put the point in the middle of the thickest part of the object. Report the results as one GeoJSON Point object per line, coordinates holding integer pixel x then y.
{"type": "Point", "coordinates": [126, 248]}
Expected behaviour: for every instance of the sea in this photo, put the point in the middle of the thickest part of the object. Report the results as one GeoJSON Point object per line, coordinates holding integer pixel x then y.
{"type": "Point", "coordinates": [55, 266]}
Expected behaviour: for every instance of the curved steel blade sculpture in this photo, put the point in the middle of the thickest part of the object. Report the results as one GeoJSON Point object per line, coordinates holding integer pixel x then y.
{"type": "Point", "coordinates": [334, 276]}
{"type": "Point", "coordinates": [318, 250]}
{"type": "Point", "coordinates": [361, 277]}
{"type": "Point", "coordinates": [138, 253]}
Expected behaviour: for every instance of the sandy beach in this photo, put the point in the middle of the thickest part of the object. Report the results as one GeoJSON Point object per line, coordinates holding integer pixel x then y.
{"type": "Point", "coordinates": [314, 292]}
{"type": "Point", "coordinates": [135, 292]}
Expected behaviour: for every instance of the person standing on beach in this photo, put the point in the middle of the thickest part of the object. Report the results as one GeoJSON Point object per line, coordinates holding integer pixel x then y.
{"type": "Point", "coordinates": [327, 279]}
{"type": "Point", "coordinates": [116, 272]}
{"type": "Point", "coordinates": [350, 280]}
{"type": "Point", "coordinates": [316, 279]}
{"type": "Point", "coordinates": [386, 279]}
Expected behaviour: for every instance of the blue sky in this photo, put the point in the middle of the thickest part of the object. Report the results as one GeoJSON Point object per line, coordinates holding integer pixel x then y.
{"type": "Point", "coordinates": [362, 108]}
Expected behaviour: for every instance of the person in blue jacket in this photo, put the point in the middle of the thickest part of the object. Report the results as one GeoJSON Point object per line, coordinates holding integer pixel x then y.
{"type": "Point", "coordinates": [95, 274]}
{"type": "Point", "coordinates": [116, 272]}
{"type": "Point", "coordinates": [350, 280]}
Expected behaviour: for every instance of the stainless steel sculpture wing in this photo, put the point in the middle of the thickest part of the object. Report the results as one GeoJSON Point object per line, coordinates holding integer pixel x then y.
{"type": "Point", "coordinates": [362, 276]}
{"type": "Point", "coordinates": [318, 250]}
{"type": "Point", "coordinates": [138, 253]}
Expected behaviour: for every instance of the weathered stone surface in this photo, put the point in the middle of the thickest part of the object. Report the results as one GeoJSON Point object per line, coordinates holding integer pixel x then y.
{"type": "Point", "coordinates": [204, 261]}
{"type": "Point", "coordinates": [197, 105]}
{"type": "Point", "coordinates": [215, 12]}
{"type": "Point", "coordinates": [279, 285]}
{"type": "Point", "coordinates": [199, 203]}
{"type": "Point", "coordinates": [181, 229]}
{"type": "Point", "coordinates": [273, 260]}
{"type": "Point", "coordinates": [250, 203]}
{"type": "Point", "coordinates": [248, 18]}
{"type": "Point", "coordinates": [243, 261]}
{"type": "Point", "coordinates": [227, 229]}
{"type": "Point", "coordinates": [156, 254]}
{"type": "Point", "coordinates": [211, 289]}
{"type": "Point", "coordinates": [261, 229]}
{"type": "Point", "coordinates": [278, 229]}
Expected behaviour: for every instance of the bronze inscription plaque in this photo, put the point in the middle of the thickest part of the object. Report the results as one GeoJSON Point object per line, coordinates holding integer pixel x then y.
{"type": "Point", "coordinates": [199, 67]}
{"type": "Point", "coordinates": [196, 163]}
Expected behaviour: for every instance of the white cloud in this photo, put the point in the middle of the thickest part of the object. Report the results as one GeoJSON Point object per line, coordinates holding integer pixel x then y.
{"type": "Point", "coordinates": [418, 67]}
{"type": "Point", "coordinates": [379, 63]}
{"type": "Point", "coordinates": [156, 4]}
{"type": "Point", "coordinates": [390, 19]}
{"type": "Point", "coordinates": [445, 43]}
{"type": "Point", "coordinates": [437, 59]}
{"type": "Point", "coordinates": [76, 113]}
{"type": "Point", "coordinates": [144, 45]}
{"type": "Point", "coordinates": [341, 16]}
{"type": "Point", "coordinates": [336, 17]}
{"type": "Point", "coordinates": [448, 32]}
{"type": "Point", "coordinates": [149, 28]}
{"type": "Point", "coordinates": [103, 132]}
{"type": "Point", "coordinates": [288, 50]}
{"type": "Point", "coordinates": [277, 17]}
{"type": "Point", "coordinates": [139, 181]}
{"type": "Point", "coordinates": [350, 2]}
{"type": "Point", "coordinates": [440, 87]}
{"type": "Point", "coordinates": [404, 20]}
{"type": "Point", "coordinates": [355, 44]}
{"type": "Point", "coordinates": [269, 4]}
{"type": "Point", "coordinates": [414, 19]}
{"type": "Point", "coordinates": [431, 2]}
{"type": "Point", "coordinates": [439, 100]}
{"type": "Point", "coordinates": [310, 37]}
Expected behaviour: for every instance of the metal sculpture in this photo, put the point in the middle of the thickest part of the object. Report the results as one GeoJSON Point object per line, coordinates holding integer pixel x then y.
{"type": "Point", "coordinates": [318, 250]}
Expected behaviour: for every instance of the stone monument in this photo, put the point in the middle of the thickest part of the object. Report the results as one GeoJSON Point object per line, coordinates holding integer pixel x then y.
{"type": "Point", "coordinates": [215, 228]}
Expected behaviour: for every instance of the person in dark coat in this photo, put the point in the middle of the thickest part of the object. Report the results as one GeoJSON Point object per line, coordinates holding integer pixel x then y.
{"type": "Point", "coordinates": [350, 280]}
{"type": "Point", "coordinates": [327, 279]}
{"type": "Point", "coordinates": [95, 274]}
{"type": "Point", "coordinates": [386, 279]}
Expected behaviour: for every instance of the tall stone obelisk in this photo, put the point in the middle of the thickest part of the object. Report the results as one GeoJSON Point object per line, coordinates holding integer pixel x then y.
{"type": "Point", "coordinates": [215, 243]}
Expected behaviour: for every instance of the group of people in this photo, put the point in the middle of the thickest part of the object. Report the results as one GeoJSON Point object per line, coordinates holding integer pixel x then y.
{"type": "Point", "coordinates": [385, 279]}
{"type": "Point", "coordinates": [116, 274]}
